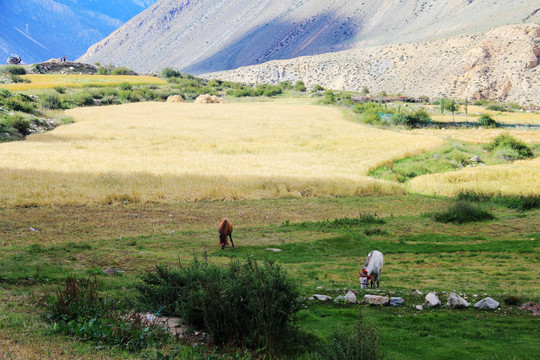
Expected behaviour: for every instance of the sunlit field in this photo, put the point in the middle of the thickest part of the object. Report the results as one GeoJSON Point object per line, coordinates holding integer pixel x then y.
{"type": "Point", "coordinates": [473, 111]}
{"type": "Point", "coordinates": [519, 178]}
{"type": "Point", "coordinates": [49, 81]}
{"type": "Point", "coordinates": [146, 152]}
{"type": "Point", "coordinates": [481, 136]}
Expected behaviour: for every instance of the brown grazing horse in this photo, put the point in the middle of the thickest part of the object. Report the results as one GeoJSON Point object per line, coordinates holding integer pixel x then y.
{"type": "Point", "coordinates": [224, 229]}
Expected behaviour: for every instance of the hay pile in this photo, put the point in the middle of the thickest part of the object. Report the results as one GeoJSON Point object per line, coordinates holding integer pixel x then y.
{"type": "Point", "coordinates": [209, 99]}
{"type": "Point", "coordinates": [175, 99]}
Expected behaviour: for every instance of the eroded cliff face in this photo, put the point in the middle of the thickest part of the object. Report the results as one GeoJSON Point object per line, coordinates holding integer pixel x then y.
{"type": "Point", "coordinates": [501, 64]}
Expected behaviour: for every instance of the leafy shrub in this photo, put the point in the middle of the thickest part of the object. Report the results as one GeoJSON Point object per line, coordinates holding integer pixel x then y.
{"type": "Point", "coordinates": [122, 71]}
{"type": "Point", "coordinates": [14, 70]}
{"type": "Point", "coordinates": [417, 118]}
{"type": "Point", "coordinates": [359, 344]}
{"type": "Point", "coordinates": [512, 300]}
{"type": "Point", "coordinates": [103, 71]}
{"type": "Point", "coordinates": [496, 107]}
{"type": "Point", "coordinates": [125, 86]}
{"type": "Point", "coordinates": [506, 140]}
{"type": "Point", "coordinates": [20, 103]}
{"type": "Point", "coordinates": [5, 93]}
{"type": "Point", "coordinates": [79, 310]}
{"type": "Point", "coordinates": [300, 86]}
{"type": "Point", "coordinates": [170, 72]}
{"type": "Point", "coordinates": [244, 304]}
{"type": "Point", "coordinates": [286, 85]}
{"type": "Point", "coordinates": [487, 121]}
{"type": "Point", "coordinates": [51, 101]}
{"type": "Point", "coordinates": [60, 89]}
{"type": "Point", "coordinates": [462, 212]}
{"type": "Point", "coordinates": [21, 125]}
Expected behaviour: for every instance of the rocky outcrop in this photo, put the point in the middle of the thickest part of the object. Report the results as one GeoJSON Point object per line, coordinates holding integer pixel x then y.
{"type": "Point", "coordinates": [501, 64]}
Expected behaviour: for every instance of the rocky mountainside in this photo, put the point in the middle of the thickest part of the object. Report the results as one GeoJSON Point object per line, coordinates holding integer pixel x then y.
{"type": "Point", "coordinates": [200, 36]}
{"type": "Point", "coordinates": [38, 30]}
{"type": "Point", "coordinates": [501, 64]}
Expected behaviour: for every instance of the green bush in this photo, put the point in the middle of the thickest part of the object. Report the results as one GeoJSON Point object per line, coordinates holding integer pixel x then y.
{"type": "Point", "coordinates": [20, 103]}
{"type": "Point", "coordinates": [243, 304]}
{"type": "Point", "coordinates": [487, 121]}
{"type": "Point", "coordinates": [21, 125]}
{"type": "Point", "coordinates": [51, 101]}
{"type": "Point", "coordinates": [496, 107]}
{"type": "Point", "coordinates": [507, 141]}
{"type": "Point", "coordinates": [14, 70]}
{"type": "Point", "coordinates": [79, 310]}
{"type": "Point", "coordinates": [417, 118]}
{"type": "Point", "coordinates": [125, 86]}
{"type": "Point", "coordinates": [300, 86]}
{"type": "Point", "coordinates": [170, 73]}
{"type": "Point", "coordinates": [462, 212]}
{"type": "Point", "coordinates": [122, 71]}
{"type": "Point", "coordinates": [103, 71]}
{"type": "Point", "coordinates": [359, 344]}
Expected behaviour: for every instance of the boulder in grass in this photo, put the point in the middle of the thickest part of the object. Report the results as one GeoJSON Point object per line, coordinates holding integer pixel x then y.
{"type": "Point", "coordinates": [322, 297]}
{"type": "Point", "coordinates": [432, 300]}
{"type": "Point", "coordinates": [110, 271]}
{"type": "Point", "coordinates": [396, 301]}
{"type": "Point", "coordinates": [350, 297]}
{"type": "Point", "coordinates": [456, 301]}
{"type": "Point", "coordinates": [487, 304]}
{"type": "Point", "coordinates": [376, 300]}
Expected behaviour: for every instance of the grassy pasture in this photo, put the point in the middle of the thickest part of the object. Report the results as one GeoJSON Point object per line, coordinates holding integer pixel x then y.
{"type": "Point", "coordinates": [49, 81]}
{"type": "Point", "coordinates": [517, 117]}
{"type": "Point", "coordinates": [163, 152]}
{"type": "Point", "coordinates": [137, 185]}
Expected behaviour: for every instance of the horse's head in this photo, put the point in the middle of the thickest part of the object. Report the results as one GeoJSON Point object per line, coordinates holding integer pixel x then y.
{"type": "Point", "coordinates": [222, 241]}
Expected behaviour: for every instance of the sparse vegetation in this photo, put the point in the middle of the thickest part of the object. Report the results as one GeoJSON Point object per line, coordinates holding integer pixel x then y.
{"type": "Point", "coordinates": [462, 212]}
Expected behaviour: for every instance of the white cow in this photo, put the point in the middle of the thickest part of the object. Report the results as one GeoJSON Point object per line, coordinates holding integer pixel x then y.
{"type": "Point", "coordinates": [373, 266]}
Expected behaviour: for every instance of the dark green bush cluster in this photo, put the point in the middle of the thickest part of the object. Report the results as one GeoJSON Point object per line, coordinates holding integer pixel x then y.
{"type": "Point", "coordinates": [522, 203]}
{"type": "Point", "coordinates": [374, 113]}
{"type": "Point", "coordinates": [462, 212]}
{"type": "Point", "coordinates": [244, 304]}
{"type": "Point", "coordinates": [414, 119]}
{"type": "Point", "coordinates": [508, 146]}
{"type": "Point", "coordinates": [487, 121]}
{"type": "Point", "coordinates": [359, 344]}
{"type": "Point", "coordinates": [300, 86]}
{"type": "Point", "coordinates": [335, 97]}
{"type": "Point", "coordinates": [79, 310]}
{"type": "Point", "coordinates": [13, 70]}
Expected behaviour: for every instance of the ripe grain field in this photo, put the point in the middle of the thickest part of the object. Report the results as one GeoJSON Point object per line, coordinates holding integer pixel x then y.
{"type": "Point", "coordinates": [163, 152]}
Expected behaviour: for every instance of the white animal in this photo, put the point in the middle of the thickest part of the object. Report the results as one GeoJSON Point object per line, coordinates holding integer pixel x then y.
{"type": "Point", "coordinates": [373, 266]}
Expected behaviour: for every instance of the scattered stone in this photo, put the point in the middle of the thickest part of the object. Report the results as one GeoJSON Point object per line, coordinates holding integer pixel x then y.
{"type": "Point", "coordinates": [110, 271]}
{"type": "Point", "coordinates": [419, 292]}
{"type": "Point", "coordinates": [476, 159]}
{"type": "Point", "coordinates": [322, 297]}
{"type": "Point", "coordinates": [487, 304]}
{"type": "Point", "coordinates": [456, 301]}
{"type": "Point", "coordinates": [274, 250]}
{"type": "Point", "coordinates": [32, 229]}
{"type": "Point", "coordinates": [320, 287]}
{"type": "Point", "coordinates": [396, 301]}
{"type": "Point", "coordinates": [419, 307]}
{"type": "Point", "coordinates": [475, 295]}
{"type": "Point", "coordinates": [432, 300]}
{"type": "Point", "coordinates": [350, 297]}
{"type": "Point", "coordinates": [376, 300]}
{"type": "Point", "coordinates": [531, 307]}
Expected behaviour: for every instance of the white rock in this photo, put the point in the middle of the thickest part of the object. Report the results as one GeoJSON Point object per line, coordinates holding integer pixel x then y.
{"type": "Point", "coordinates": [396, 301]}
{"type": "Point", "coordinates": [273, 249]}
{"type": "Point", "coordinates": [376, 300]}
{"type": "Point", "coordinates": [322, 297]}
{"type": "Point", "coordinates": [432, 300]}
{"type": "Point", "coordinates": [456, 301]}
{"type": "Point", "coordinates": [419, 307]}
{"type": "Point", "coordinates": [487, 304]}
{"type": "Point", "coordinates": [350, 297]}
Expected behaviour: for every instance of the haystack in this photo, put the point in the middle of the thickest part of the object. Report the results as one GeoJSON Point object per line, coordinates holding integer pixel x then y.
{"type": "Point", "coordinates": [175, 99]}
{"type": "Point", "coordinates": [209, 99]}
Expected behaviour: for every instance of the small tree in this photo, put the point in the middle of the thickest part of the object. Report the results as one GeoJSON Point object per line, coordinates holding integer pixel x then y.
{"type": "Point", "coordinates": [466, 109]}
{"type": "Point", "coordinates": [300, 86]}
{"type": "Point", "coordinates": [451, 106]}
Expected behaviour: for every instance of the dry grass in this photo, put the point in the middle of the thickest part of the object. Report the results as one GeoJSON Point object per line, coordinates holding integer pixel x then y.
{"type": "Point", "coordinates": [145, 152]}
{"type": "Point", "coordinates": [49, 81]}
{"type": "Point", "coordinates": [519, 178]}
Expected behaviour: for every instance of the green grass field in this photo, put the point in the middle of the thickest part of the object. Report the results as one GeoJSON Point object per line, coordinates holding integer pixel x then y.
{"type": "Point", "coordinates": [54, 223]}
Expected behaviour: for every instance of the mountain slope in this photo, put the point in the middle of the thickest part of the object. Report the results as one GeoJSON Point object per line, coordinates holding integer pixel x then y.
{"type": "Point", "coordinates": [38, 30]}
{"type": "Point", "coordinates": [200, 36]}
{"type": "Point", "coordinates": [501, 64]}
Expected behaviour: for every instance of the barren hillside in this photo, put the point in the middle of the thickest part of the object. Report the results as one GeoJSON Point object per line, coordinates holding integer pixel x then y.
{"type": "Point", "coordinates": [200, 36]}
{"type": "Point", "coordinates": [501, 64]}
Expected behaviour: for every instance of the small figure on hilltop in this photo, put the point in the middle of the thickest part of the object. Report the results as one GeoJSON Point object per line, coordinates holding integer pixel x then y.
{"type": "Point", "coordinates": [225, 229]}
{"type": "Point", "coordinates": [372, 269]}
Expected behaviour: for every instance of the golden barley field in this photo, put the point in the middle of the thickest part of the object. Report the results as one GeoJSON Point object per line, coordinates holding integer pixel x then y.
{"type": "Point", "coordinates": [519, 178]}
{"type": "Point", "coordinates": [49, 81]}
{"type": "Point", "coordinates": [164, 152]}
